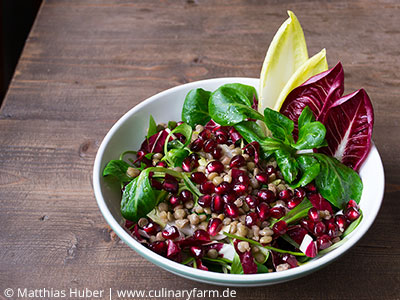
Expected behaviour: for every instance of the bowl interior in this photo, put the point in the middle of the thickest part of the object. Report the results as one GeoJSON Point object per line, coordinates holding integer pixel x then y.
{"type": "Point", "coordinates": [128, 134]}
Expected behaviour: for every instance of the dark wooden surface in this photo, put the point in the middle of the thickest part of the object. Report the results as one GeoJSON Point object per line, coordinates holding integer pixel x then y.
{"type": "Point", "coordinates": [86, 63]}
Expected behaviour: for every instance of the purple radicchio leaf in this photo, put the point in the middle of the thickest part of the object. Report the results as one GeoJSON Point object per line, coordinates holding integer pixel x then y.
{"type": "Point", "coordinates": [296, 233]}
{"type": "Point", "coordinates": [212, 125]}
{"type": "Point", "coordinates": [349, 122]}
{"type": "Point", "coordinates": [319, 202]}
{"type": "Point", "coordinates": [283, 258]}
{"type": "Point", "coordinates": [254, 105]}
{"type": "Point", "coordinates": [246, 259]}
{"type": "Point", "coordinates": [318, 93]}
{"type": "Point", "coordinates": [155, 143]}
{"type": "Point", "coordinates": [254, 147]}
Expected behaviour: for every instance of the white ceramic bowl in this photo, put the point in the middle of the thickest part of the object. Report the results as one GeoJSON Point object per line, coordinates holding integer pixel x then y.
{"type": "Point", "coordinates": [128, 133]}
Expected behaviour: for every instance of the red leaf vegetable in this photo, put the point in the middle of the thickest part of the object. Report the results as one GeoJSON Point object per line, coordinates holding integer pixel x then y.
{"type": "Point", "coordinates": [155, 143]}
{"type": "Point", "coordinates": [319, 202]}
{"type": "Point", "coordinates": [247, 260]}
{"type": "Point", "coordinates": [348, 120]}
{"type": "Point", "coordinates": [318, 93]}
{"type": "Point", "coordinates": [349, 123]}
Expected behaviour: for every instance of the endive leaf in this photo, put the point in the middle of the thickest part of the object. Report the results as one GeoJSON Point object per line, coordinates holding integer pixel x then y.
{"type": "Point", "coordinates": [286, 53]}
{"type": "Point", "coordinates": [313, 66]}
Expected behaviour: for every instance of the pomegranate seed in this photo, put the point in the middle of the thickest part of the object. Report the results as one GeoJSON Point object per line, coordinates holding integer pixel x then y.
{"type": "Point", "coordinates": [285, 195]}
{"type": "Point", "coordinates": [299, 193]}
{"type": "Point", "coordinates": [159, 247]}
{"type": "Point", "coordinates": [215, 166]}
{"type": "Point", "coordinates": [174, 200]}
{"type": "Point", "coordinates": [263, 210]}
{"type": "Point", "coordinates": [237, 161]}
{"type": "Point", "coordinates": [270, 170]}
{"type": "Point", "coordinates": [140, 154]}
{"type": "Point", "coordinates": [197, 251]}
{"type": "Point", "coordinates": [240, 176]}
{"type": "Point", "coordinates": [240, 189]}
{"type": "Point", "coordinates": [162, 164]}
{"type": "Point", "coordinates": [223, 188]}
{"type": "Point", "coordinates": [214, 226]}
{"type": "Point", "coordinates": [323, 242]}
{"type": "Point", "coordinates": [170, 233]}
{"type": "Point", "coordinates": [266, 195]}
{"type": "Point", "coordinates": [319, 228]}
{"type": "Point", "coordinates": [156, 184]}
{"type": "Point", "coordinates": [217, 153]}
{"type": "Point", "coordinates": [173, 249]}
{"type": "Point", "coordinates": [352, 203]}
{"type": "Point", "coordinates": [251, 201]}
{"type": "Point", "coordinates": [201, 235]}
{"type": "Point", "coordinates": [186, 196]}
{"type": "Point", "coordinates": [351, 214]}
{"type": "Point", "coordinates": [313, 214]}
{"type": "Point", "coordinates": [333, 230]}
{"type": "Point", "coordinates": [251, 219]}
{"type": "Point", "coordinates": [204, 201]}
{"type": "Point", "coordinates": [277, 212]}
{"type": "Point", "coordinates": [207, 187]}
{"type": "Point", "coordinates": [197, 145]}
{"type": "Point", "coordinates": [221, 138]}
{"type": "Point", "coordinates": [229, 198]}
{"type": "Point", "coordinates": [205, 134]}
{"type": "Point", "coordinates": [209, 146]}
{"type": "Point", "coordinates": [280, 228]}
{"type": "Point", "coordinates": [217, 204]}
{"type": "Point", "coordinates": [231, 210]}
{"type": "Point", "coordinates": [151, 228]}
{"type": "Point", "coordinates": [170, 184]}
{"type": "Point", "coordinates": [310, 188]}
{"type": "Point", "coordinates": [198, 177]}
{"type": "Point", "coordinates": [249, 151]}
{"type": "Point", "coordinates": [262, 178]}
{"type": "Point", "coordinates": [341, 222]}
{"type": "Point", "coordinates": [191, 162]}
{"type": "Point", "coordinates": [307, 224]}
{"type": "Point", "coordinates": [292, 203]}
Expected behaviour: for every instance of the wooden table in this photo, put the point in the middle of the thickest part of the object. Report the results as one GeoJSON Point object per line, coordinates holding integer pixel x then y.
{"type": "Point", "coordinates": [86, 63]}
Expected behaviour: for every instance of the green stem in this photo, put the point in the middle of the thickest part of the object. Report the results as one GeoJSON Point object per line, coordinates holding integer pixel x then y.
{"type": "Point", "coordinates": [266, 247]}
{"type": "Point", "coordinates": [188, 260]}
{"type": "Point", "coordinates": [121, 157]}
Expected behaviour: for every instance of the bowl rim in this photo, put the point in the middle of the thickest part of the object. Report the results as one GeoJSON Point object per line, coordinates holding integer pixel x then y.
{"type": "Point", "coordinates": [214, 277]}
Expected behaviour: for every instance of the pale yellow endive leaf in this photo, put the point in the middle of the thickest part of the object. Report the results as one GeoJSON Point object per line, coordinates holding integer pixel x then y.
{"type": "Point", "coordinates": [286, 53]}
{"type": "Point", "coordinates": [313, 66]}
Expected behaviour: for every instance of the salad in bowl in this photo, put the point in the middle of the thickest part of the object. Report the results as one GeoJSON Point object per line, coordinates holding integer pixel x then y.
{"type": "Point", "coordinates": [249, 183]}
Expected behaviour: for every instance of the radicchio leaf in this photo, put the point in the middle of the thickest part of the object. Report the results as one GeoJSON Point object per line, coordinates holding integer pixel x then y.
{"type": "Point", "coordinates": [349, 122]}
{"type": "Point", "coordinates": [296, 233]}
{"type": "Point", "coordinates": [211, 125]}
{"type": "Point", "coordinates": [254, 147]}
{"type": "Point", "coordinates": [282, 258]}
{"type": "Point", "coordinates": [155, 143]}
{"type": "Point", "coordinates": [247, 260]}
{"type": "Point", "coordinates": [318, 93]}
{"type": "Point", "coordinates": [319, 202]}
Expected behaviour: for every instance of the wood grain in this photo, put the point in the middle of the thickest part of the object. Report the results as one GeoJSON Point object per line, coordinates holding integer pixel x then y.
{"type": "Point", "coordinates": [86, 63]}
